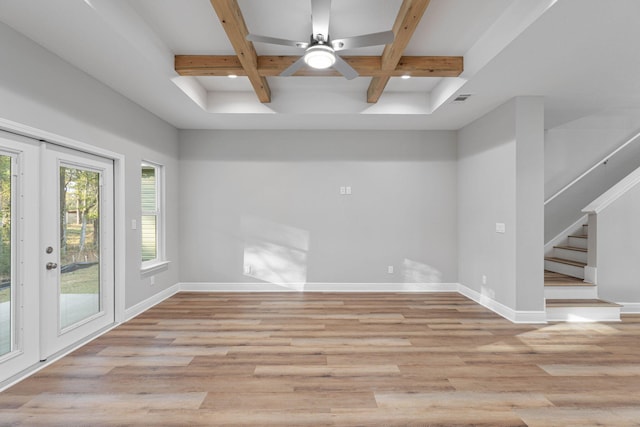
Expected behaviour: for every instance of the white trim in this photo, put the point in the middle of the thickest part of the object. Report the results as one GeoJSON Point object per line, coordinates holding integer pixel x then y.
{"type": "Point", "coordinates": [501, 309]}
{"type": "Point", "coordinates": [145, 305]}
{"type": "Point", "coordinates": [155, 267]}
{"type": "Point", "coordinates": [629, 307]}
{"type": "Point", "coordinates": [588, 171]}
{"type": "Point", "coordinates": [590, 274]}
{"type": "Point", "coordinates": [614, 193]}
{"type": "Point", "coordinates": [563, 235]}
{"type": "Point", "coordinates": [317, 287]}
{"type": "Point", "coordinates": [588, 291]}
{"type": "Point", "coordinates": [583, 314]}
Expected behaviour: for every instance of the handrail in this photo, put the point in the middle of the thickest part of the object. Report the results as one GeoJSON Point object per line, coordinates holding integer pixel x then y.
{"type": "Point", "coordinates": [604, 160]}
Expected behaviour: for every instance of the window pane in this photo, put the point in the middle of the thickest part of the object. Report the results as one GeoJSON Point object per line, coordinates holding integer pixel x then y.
{"type": "Point", "coordinates": [5, 256]}
{"type": "Point", "coordinates": [149, 233]}
{"type": "Point", "coordinates": [149, 189]}
{"type": "Point", "coordinates": [79, 245]}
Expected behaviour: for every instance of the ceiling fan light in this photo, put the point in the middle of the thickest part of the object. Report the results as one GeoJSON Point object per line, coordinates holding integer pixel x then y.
{"type": "Point", "coordinates": [320, 57]}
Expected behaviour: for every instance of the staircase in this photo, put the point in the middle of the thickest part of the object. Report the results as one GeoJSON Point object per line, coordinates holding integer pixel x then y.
{"type": "Point", "coordinates": [568, 297]}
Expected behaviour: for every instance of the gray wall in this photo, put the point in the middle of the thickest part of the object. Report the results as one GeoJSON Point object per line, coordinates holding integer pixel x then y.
{"type": "Point", "coordinates": [270, 201]}
{"type": "Point", "coordinates": [566, 209]}
{"type": "Point", "coordinates": [501, 180]}
{"type": "Point", "coordinates": [618, 246]}
{"type": "Point", "coordinates": [39, 89]}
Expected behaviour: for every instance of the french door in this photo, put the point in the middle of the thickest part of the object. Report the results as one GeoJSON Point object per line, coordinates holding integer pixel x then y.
{"type": "Point", "coordinates": [77, 252]}
{"type": "Point", "coordinates": [56, 250]}
{"type": "Point", "coordinates": [19, 276]}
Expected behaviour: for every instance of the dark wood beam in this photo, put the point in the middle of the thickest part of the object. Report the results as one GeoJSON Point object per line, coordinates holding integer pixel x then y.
{"type": "Point", "coordinates": [233, 23]}
{"type": "Point", "coordinates": [409, 15]}
{"type": "Point", "coordinates": [366, 66]}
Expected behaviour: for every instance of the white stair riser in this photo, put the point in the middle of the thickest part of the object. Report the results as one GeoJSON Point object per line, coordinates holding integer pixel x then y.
{"type": "Point", "coordinates": [583, 314]}
{"type": "Point", "coordinates": [570, 255]}
{"type": "Point", "coordinates": [571, 292]}
{"type": "Point", "coordinates": [578, 242]}
{"type": "Point", "coordinates": [568, 270]}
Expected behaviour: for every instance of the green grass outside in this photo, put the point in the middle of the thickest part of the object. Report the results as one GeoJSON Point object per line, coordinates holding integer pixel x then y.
{"type": "Point", "coordinates": [83, 281]}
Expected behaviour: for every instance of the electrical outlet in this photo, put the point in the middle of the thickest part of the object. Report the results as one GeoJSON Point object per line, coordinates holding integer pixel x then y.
{"type": "Point", "coordinates": [248, 269]}
{"type": "Point", "coordinates": [484, 279]}
{"type": "Point", "coordinates": [152, 280]}
{"type": "Point", "coordinates": [390, 269]}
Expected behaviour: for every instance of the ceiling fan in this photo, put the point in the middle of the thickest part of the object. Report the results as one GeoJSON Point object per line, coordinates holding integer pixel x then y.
{"type": "Point", "coordinates": [320, 51]}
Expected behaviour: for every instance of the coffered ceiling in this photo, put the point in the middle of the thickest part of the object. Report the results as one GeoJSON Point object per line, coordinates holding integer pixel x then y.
{"type": "Point", "coordinates": [173, 57]}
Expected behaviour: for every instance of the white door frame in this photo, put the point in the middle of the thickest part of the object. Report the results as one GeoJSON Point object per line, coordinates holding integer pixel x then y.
{"type": "Point", "coordinates": [119, 198]}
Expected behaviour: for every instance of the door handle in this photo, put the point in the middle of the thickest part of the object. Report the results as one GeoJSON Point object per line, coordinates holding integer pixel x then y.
{"type": "Point", "coordinates": [51, 265]}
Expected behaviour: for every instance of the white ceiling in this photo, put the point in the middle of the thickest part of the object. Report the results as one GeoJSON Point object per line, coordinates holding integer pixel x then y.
{"type": "Point", "coordinates": [581, 55]}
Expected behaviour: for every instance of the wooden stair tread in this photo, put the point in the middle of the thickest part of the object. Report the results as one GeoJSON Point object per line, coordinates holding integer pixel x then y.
{"type": "Point", "coordinates": [551, 278]}
{"type": "Point", "coordinates": [571, 248]}
{"type": "Point", "coordinates": [579, 236]}
{"type": "Point", "coordinates": [580, 303]}
{"type": "Point", "coordinates": [566, 261]}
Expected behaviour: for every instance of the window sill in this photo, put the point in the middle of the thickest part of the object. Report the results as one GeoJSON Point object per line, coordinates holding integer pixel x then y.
{"type": "Point", "coordinates": [154, 268]}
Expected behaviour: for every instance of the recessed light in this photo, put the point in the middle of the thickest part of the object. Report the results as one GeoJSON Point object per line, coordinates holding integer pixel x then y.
{"type": "Point", "coordinates": [405, 77]}
{"type": "Point", "coordinates": [232, 76]}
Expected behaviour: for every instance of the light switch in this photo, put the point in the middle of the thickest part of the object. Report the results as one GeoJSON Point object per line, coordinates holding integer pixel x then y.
{"type": "Point", "coordinates": [134, 224]}
{"type": "Point", "coordinates": [343, 190]}
{"type": "Point", "coordinates": [500, 227]}
{"type": "Point", "coordinates": [348, 190]}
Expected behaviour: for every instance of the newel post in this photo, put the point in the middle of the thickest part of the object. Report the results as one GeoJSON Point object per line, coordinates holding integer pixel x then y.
{"type": "Point", "coordinates": [590, 271]}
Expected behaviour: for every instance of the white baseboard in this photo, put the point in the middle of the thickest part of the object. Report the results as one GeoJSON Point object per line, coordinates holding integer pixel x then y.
{"type": "Point", "coordinates": [501, 309]}
{"type": "Point", "coordinates": [145, 305]}
{"type": "Point", "coordinates": [493, 305]}
{"type": "Point", "coordinates": [318, 287]}
{"type": "Point", "coordinates": [630, 307]}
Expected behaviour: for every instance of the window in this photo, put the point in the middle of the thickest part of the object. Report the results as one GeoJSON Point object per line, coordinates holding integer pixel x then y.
{"type": "Point", "coordinates": [151, 221]}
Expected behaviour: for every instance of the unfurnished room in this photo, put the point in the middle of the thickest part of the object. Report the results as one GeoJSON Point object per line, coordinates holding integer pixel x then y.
{"type": "Point", "coordinates": [319, 213]}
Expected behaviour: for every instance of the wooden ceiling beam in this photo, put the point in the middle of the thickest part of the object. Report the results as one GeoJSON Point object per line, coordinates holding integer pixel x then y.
{"type": "Point", "coordinates": [233, 23]}
{"type": "Point", "coordinates": [366, 66]}
{"type": "Point", "coordinates": [409, 15]}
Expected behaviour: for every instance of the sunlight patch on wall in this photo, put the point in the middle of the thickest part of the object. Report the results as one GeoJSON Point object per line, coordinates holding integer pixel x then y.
{"type": "Point", "coordinates": [417, 272]}
{"type": "Point", "coordinates": [275, 253]}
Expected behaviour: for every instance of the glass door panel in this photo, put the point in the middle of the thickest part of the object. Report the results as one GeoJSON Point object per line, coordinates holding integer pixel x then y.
{"type": "Point", "coordinates": [79, 245]}
{"type": "Point", "coordinates": [19, 272]}
{"type": "Point", "coordinates": [7, 300]}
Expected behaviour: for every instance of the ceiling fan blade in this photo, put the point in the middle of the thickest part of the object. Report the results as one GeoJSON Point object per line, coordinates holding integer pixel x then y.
{"type": "Point", "coordinates": [365, 40]}
{"type": "Point", "coordinates": [293, 67]}
{"type": "Point", "coordinates": [274, 40]}
{"type": "Point", "coordinates": [320, 11]}
{"type": "Point", "coordinates": [345, 69]}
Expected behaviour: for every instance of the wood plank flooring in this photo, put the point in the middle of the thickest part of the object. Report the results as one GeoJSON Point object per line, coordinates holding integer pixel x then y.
{"type": "Point", "coordinates": [320, 359]}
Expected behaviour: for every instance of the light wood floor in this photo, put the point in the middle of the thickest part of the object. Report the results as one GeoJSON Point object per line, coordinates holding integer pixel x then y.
{"type": "Point", "coordinates": [337, 360]}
